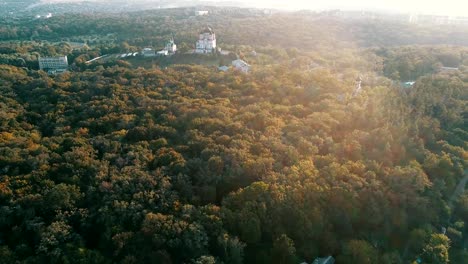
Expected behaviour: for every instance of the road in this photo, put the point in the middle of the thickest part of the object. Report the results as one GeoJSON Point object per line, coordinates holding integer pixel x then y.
{"type": "Point", "coordinates": [460, 189]}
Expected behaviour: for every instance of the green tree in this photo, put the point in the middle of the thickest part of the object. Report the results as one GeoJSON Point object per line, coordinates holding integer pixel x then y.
{"type": "Point", "coordinates": [283, 251]}
{"type": "Point", "coordinates": [358, 251]}
{"type": "Point", "coordinates": [437, 250]}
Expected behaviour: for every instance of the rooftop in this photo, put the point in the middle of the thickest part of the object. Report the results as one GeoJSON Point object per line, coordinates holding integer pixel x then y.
{"type": "Point", "coordinates": [240, 62]}
{"type": "Point", "coordinates": [223, 68]}
{"type": "Point", "coordinates": [207, 30]}
{"type": "Point", "coordinates": [449, 68]}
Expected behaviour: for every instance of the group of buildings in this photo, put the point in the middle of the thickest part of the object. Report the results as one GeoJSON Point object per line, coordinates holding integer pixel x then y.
{"type": "Point", "coordinates": [413, 18]}
{"type": "Point", "coordinates": [206, 44]}
{"type": "Point", "coordinates": [437, 19]}
{"type": "Point", "coordinates": [169, 49]}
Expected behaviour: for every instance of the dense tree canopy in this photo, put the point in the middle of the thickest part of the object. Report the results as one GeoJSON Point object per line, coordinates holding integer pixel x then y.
{"type": "Point", "coordinates": [115, 163]}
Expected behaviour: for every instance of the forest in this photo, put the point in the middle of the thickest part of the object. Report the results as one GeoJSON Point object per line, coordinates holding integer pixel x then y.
{"type": "Point", "coordinates": [117, 163]}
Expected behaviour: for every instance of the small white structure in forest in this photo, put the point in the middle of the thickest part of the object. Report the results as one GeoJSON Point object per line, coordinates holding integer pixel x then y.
{"type": "Point", "coordinates": [241, 65]}
{"type": "Point", "coordinates": [148, 52]}
{"type": "Point", "coordinates": [223, 68]}
{"type": "Point", "coordinates": [408, 84]}
{"type": "Point", "coordinates": [358, 88]}
{"type": "Point", "coordinates": [224, 52]}
{"type": "Point", "coordinates": [206, 42]}
{"type": "Point", "coordinates": [163, 52]}
{"type": "Point", "coordinates": [171, 47]}
{"type": "Point", "coordinates": [449, 68]}
{"type": "Point", "coordinates": [201, 12]}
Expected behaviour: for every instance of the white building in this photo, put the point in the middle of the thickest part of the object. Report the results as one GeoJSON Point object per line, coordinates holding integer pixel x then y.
{"type": "Point", "coordinates": [224, 52]}
{"type": "Point", "coordinates": [201, 13]}
{"type": "Point", "coordinates": [49, 15]}
{"type": "Point", "coordinates": [223, 68]}
{"type": "Point", "coordinates": [148, 52]}
{"type": "Point", "coordinates": [171, 47]}
{"type": "Point", "coordinates": [459, 21]}
{"type": "Point", "coordinates": [430, 19]}
{"type": "Point", "coordinates": [206, 42]}
{"type": "Point", "coordinates": [241, 65]}
{"type": "Point", "coordinates": [163, 52]}
{"type": "Point", "coordinates": [53, 64]}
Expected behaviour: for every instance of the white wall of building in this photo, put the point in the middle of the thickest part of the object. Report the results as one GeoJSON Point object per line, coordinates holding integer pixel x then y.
{"type": "Point", "coordinates": [53, 63]}
{"type": "Point", "coordinates": [241, 65]}
{"type": "Point", "coordinates": [206, 42]}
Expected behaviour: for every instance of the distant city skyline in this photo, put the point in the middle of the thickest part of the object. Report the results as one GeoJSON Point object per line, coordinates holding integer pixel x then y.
{"type": "Point", "coordinates": [446, 7]}
{"type": "Point", "coordinates": [430, 7]}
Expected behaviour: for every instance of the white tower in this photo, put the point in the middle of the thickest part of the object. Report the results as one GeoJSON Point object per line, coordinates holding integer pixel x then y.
{"type": "Point", "coordinates": [171, 47]}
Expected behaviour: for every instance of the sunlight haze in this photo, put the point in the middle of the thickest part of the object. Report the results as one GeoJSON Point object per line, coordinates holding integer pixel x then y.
{"type": "Point", "coordinates": [448, 7]}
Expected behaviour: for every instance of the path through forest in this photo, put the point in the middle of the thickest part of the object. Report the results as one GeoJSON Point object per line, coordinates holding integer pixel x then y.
{"type": "Point", "coordinates": [459, 189]}
{"type": "Point", "coordinates": [456, 193]}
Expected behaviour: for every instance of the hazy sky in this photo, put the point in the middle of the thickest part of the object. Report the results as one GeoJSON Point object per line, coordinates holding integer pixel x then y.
{"type": "Point", "coordinates": [440, 7]}
{"type": "Point", "coordinates": [447, 7]}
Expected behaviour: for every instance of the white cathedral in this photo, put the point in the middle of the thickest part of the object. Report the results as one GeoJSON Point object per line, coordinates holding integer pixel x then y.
{"type": "Point", "coordinates": [206, 43]}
